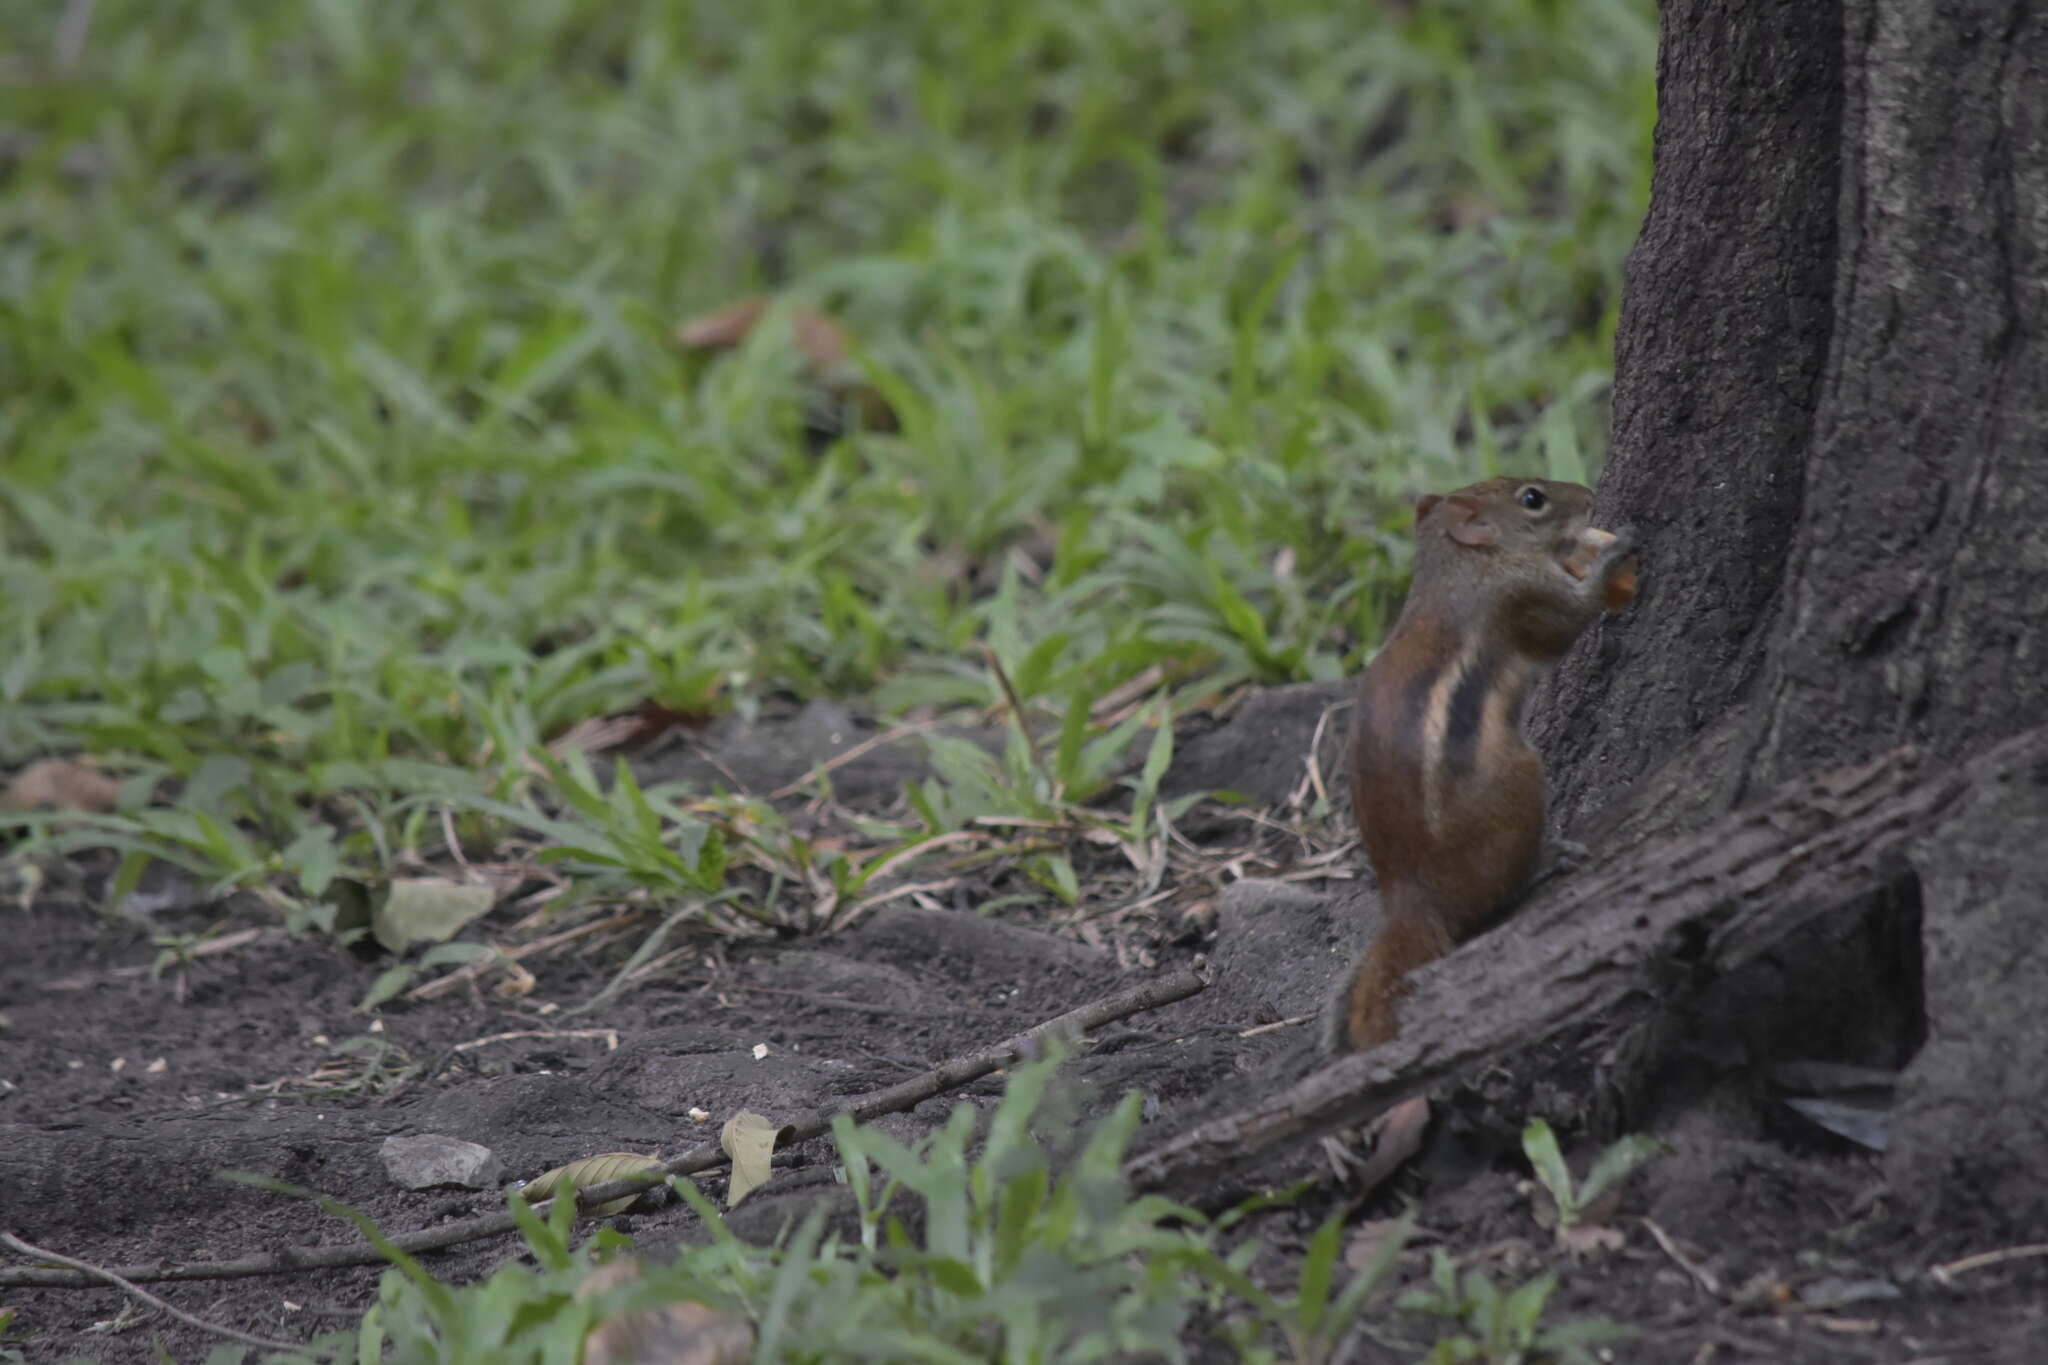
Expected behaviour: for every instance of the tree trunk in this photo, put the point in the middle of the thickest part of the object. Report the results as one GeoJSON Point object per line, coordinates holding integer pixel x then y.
{"type": "Point", "coordinates": [1831, 408]}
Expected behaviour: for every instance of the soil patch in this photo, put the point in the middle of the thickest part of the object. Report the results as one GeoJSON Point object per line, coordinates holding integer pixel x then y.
{"type": "Point", "coordinates": [123, 1091]}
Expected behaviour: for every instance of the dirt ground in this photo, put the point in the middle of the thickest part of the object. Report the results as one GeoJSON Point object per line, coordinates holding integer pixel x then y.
{"type": "Point", "coordinates": [123, 1091]}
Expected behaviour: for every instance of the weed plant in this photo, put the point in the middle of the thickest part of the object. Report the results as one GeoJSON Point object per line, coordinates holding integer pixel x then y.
{"type": "Point", "coordinates": [348, 459]}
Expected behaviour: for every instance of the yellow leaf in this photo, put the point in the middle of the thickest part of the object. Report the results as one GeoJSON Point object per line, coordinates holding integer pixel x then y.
{"type": "Point", "coordinates": [749, 1139]}
{"type": "Point", "coordinates": [593, 1170]}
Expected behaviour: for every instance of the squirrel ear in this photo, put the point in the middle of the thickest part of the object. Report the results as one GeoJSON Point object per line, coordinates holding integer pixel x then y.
{"type": "Point", "coordinates": [1424, 503]}
{"type": "Point", "coordinates": [1465, 524]}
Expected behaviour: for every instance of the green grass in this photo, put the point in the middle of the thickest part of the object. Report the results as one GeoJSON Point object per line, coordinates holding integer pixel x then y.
{"type": "Point", "coordinates": [347, 458]}
{"type": "Point", "coordinates": [976, 1245]}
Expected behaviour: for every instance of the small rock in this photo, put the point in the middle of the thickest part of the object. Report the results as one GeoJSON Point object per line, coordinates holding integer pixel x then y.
{"type": "Point", "coordinates": [1279, 948]}
{"type": "Point", "coordinates": [433, 1159]}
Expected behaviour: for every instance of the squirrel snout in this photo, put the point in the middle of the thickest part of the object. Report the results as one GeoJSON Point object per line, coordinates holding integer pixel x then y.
{"type": "Point", "coordinates": [1592, 541]}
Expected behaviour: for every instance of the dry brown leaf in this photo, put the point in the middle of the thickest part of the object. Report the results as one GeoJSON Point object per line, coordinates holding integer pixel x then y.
{"type": "Point", "coordinates": [1468, 210]}
{"type": "Point", "coordinates": [593, 1170]}
{"type": "Point", "coordinates": [1400, 1136]}
{"type": "Point", "coordinates": [821, 340]}
{"type": "Point", "coordinates": [517, 981]}
{"type": "Point", "coordinates": [61, 784]}
{"type": "Point", "coordinates": [721, 328]}
{"type": "Point", "coordinates": [1365, 1239]}
{"type": "Point", "coordinates": [749, 1139]}
{"type": "Point", "coordinates": [628, 730]}
{"type": "Point", "coordinates": [253, 423]}
{"type": "Point", "coordinates": [681, 1333]}
{"type": "Point", "coordinates": [1590, 1239]}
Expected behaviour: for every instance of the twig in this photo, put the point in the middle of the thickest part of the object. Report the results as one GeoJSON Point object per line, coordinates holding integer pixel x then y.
{"type": "Point", "coordinates": [610, 1036]}
{"type": "Point", "coordinates": [995, 666]}
{"type": "Point", "coordinates": [1314, 776]}
{"type": "Point", "coordinates": [34, 1252]}
{"type": "Point", "coordinates": [867, 903]}
{"type": "Point", "coordinates": [1116, 913]}
{"type": "Point", "coordinates": [1277, 1024]}
{"type": "Point", "coordinates": [836, 1001]}
{"type": "Point", "coordinates": [837, 760]}
{"type": "Point", "coordinates": [894, 1099]}
{"type": "Point", "coordinates": [911, 852]}
{"type": "Point", "coordinates": [1701, 1276]}
{"type": "Point", "coordinates": [1946, 1274]}
{"type": "Point", "coordinates": [470, 971]}
{"type": "Point", "coordinates": [448, 837]}
{"type": "Point", "coordinates": [655, 966]}
{"type": "Point", "coordinates": [225, 943]}
{"type": "Point", "coordinates": [1113, 707]}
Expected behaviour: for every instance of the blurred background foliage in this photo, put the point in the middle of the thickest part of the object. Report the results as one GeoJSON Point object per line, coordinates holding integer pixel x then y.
{"type": "Point", "coordinates": [349, 452]}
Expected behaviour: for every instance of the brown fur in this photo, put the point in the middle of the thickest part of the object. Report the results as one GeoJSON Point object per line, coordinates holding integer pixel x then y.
{"type": "Point", "coordinates": [1449, 795]}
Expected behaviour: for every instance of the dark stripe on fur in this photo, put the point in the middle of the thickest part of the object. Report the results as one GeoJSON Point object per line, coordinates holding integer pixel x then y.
{"type": "Point", "coordinates": [1467, 715]}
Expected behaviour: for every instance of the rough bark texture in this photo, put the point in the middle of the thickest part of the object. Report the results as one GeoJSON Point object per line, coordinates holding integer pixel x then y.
{"type": "Point", "coordinates": [1914, 610]}
{"type": "Point", "coordinates": [1830, 419]}
{"type": "Point", "coordinates": [1726, 320]}
{"type": "Point", "coordinates": [1967, 1109]}
{"type": "Point", "coordinates": [1827, 420]}
{"type": "Point", "coordinates": [1640, 924]}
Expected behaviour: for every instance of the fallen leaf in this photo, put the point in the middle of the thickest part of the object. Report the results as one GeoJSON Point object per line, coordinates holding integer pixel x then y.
{"type": "Point", "coordinates": [685, 1332]}
{"type": "Point", "coordinates": [254, 424]}
{"type": "Point", "coordinates": [628, 730]}
{"type": "Point", "coordinates": [1399, 1137]}
{"type": "Point", "coordinates": [1590, 1239]}
{"type": "Point", "coordinates": [749, 1139]}
{"type": "Point", "coordinates": [1764, 1290]}
{"type": "Point", "coordinates": [593, 1170]}
{"type": "Point", "coordinates": [427, 910]}
{"type": "Point", "coordinates": [1468, 210]}
{"type": "Point", "coordinates": [1364, 1241]}
{"type": "Point", "coordinates": [721, 328]}
{"type": "Point", "coordinates": [819, 338]}
{"type": "Point", "coordinates": [517, 982]}
{"type": "Point", "coordinates": [61, 784]}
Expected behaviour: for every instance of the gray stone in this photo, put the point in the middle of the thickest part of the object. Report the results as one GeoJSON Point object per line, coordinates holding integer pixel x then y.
{"type": "Point", "coordinates": [427, 1159]}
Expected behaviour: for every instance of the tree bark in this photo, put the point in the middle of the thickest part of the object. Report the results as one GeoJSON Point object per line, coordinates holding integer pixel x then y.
{"type": "Point", "coordinates": [1831, 409]}
{"type": "Point", "coordinates": [1725, 325]}
{"type": "Point", "coordinates": [1638, 925]}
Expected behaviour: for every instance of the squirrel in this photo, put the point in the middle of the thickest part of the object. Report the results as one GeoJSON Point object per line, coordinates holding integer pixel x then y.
{"type": "Point", "coordinates": [1448, 794]}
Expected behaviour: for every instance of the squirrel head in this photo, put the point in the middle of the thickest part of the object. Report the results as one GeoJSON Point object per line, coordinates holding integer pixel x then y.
{"type": "Point", "coordinates": [1537, 523]}
{"type": "Point", "coordinates": [1509, 545]}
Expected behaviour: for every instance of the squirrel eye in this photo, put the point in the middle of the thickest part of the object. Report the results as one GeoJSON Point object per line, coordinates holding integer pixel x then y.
{"type": "Point", "coordinates": [1533, 499]}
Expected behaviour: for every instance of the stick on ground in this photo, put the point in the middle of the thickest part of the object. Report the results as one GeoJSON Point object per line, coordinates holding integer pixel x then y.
{"type": "Point", "coordinates": [126, 1283]}
{"type": "Point", "coordinates": [896, 1098]}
